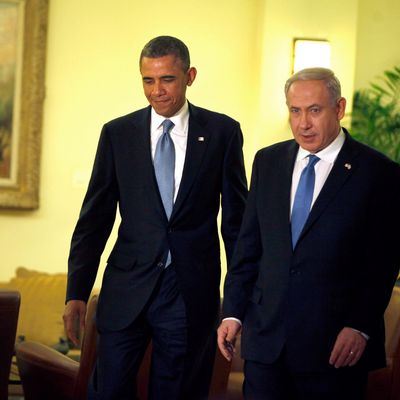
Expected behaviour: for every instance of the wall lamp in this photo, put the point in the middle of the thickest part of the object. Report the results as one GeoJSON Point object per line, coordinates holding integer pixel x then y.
{"type": "Point", "coordinates": [310, 53]}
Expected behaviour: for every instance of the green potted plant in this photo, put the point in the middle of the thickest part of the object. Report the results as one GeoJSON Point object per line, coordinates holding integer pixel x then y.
{"type": "Point", "coordinates": [376, 114]}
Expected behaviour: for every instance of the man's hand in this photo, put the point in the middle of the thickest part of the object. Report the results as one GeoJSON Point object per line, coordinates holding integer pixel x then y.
{"type": "Point", "coordinates": [348, 348]}
{"type": "Point", "coordinates": [227, 332]}
{"type": "Point", "coordinates": [74, 319]}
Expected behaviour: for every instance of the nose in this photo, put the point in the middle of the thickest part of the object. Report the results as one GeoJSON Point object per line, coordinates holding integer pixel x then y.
{"type": "Point", "coordinates": [158, 89]}
{"type": "Point", "coordinates": [305, 121]}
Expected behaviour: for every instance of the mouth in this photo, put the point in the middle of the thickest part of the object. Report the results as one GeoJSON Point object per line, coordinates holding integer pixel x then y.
{"type": "Point", "coordinates": [158, 101]}
{"type": "Point", "coordinates": [307, 135]}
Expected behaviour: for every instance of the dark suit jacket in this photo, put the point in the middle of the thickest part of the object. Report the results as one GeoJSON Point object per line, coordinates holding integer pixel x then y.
{"type": "Point", "coordinates": [340, 273]}
{"type": "Point", "coordinates": [123, 175]}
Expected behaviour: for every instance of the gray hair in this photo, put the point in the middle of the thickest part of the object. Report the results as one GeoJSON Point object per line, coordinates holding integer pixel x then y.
{"type": "Point", "coordinates": [318, 74]}
{"type": "Point", "coordinates": [162, 46]}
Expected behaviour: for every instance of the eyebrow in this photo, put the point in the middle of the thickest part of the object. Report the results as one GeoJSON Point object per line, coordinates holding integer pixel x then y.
{"type": "Point", "coordinates": [161, 77]}
{"type": "Point", "coordinates": [308, 107]}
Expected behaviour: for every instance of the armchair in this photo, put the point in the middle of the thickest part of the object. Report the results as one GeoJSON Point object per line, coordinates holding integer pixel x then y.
{"type": "Point", "coordinates": [384, 384]}
{"type": "Point", "coordinates": [9, 309]}
{"type": "Point", "coordinates": [47, 374]}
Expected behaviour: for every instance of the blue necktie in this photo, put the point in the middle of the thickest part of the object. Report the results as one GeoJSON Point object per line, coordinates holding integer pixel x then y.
{"type": "Point", "coordinates": [164, 167]}
{"type": "Point", "coordinates": [303, 198]}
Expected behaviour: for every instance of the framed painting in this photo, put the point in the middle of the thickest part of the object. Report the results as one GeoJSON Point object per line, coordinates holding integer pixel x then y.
{"type": "Point", "coordinates": [23, 31]}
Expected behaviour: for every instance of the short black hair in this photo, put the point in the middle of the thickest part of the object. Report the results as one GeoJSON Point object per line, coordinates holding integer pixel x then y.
{"type": "Point", "coordinates": [162, 46]}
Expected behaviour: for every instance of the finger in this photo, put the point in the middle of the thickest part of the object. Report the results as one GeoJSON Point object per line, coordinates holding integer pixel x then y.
{"type": "Point", "coordinates": [82, 320]}
{"type": "Point", "coordinates": [343, 358]}
{"type": "Point", "coordinates": [222, 333]}
{"type": "Point", "coordinates": [353, 358]}
{"type": "Point", "coordinates": [335, 353]}
{"type": "Point", "coordinates": [72, 335]}
{"type": "Point", "coordinates": [225, 352]}
{"type": "Point", "coordinates": [70, 328]}
{"type": "Point", "coordinates": [339, 354]}
{"type": "Point", "coordinates": [357, 355]}
{"type": "Point", "coordinates": [227, 334]}
{"type": "Point", "coordinates": [348, 359]}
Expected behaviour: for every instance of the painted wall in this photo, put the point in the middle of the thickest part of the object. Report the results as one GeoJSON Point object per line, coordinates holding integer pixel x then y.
{"type": "Point", "coordinates": [93, 76]}
{"type": "Point", "coordinates": [241, 48]}
{"type": "Point", "coordinates": [283, 21]}
{"type": "Point", "coordinates": [377, 40]}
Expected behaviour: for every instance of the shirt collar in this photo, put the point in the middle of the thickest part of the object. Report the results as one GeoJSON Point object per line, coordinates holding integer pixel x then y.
{"type": "Point", "coordinates": [327, 154]}
{"type": "Point", "coordinates": [180, 120]}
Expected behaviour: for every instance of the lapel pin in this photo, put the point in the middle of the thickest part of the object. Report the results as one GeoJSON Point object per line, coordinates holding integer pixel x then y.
{"type": "Point", "coordinates": [347, 165]}
{"type": "Point", "coordinates": [200, 138]}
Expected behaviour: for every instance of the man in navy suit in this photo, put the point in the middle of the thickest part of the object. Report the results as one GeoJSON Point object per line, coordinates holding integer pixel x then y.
{"type": "Point", "coordinates": [311, 300]}
{"type": "Point", "coordinates": [162, 277]}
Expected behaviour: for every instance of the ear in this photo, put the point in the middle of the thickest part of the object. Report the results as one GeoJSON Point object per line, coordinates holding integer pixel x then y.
{"type": "Point", "coordinates": [191, 74]}
{"type": "Point", "coordinates": [340, 108]}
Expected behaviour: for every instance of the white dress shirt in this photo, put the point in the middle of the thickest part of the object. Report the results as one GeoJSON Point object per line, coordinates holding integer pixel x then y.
{"type": "Point", "coordinates": [179, 134]}
{"type": "Point", "coordinates": [322, 168]}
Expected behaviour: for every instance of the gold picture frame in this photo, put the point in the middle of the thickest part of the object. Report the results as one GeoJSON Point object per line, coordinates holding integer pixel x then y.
{"type": "Point", "coordinates": [20, 135]}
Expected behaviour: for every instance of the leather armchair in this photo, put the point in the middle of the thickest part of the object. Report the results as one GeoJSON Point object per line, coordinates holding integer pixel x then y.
{"type": "Point", "coordinates": [47, 374]}
{"type": "Point", "coordinates": [9, 309]}
{"type": "Point", "coordinates": [384, 384]}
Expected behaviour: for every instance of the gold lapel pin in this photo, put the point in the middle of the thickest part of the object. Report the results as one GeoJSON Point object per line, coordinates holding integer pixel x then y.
{"type": "Point", "coordinates": [200, 138]}
{"type": "Point", "coordinates": [347, 165]}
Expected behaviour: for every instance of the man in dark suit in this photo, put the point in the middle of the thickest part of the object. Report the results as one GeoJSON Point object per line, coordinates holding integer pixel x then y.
{"type": "Point", "coordinates": [162, 278]}
{"type": "Point", "coordinates": [311, 296]}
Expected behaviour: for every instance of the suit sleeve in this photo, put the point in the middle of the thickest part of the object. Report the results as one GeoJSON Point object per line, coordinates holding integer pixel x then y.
{"type": "Point", "coordinates": [233, 192]}
{"type": "Point", "coordinates": [243, 271]}
{"type": "Point", "coordinates": [95, 223]}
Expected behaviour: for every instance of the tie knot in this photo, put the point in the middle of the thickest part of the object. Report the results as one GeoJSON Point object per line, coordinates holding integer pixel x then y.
{"type": "Point", "coordinates": [312, 160]}
{"type": "Point", "coordinates": [167, 125]}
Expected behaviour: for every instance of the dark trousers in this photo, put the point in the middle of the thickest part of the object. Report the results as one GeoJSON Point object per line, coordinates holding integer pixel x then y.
{"type": "Point", "coordinates": [277, 381]}
{"type": "Point", "coordinates": [180, 369]}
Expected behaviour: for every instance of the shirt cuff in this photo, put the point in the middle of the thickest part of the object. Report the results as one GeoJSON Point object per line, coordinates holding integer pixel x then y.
{"type": "Point", "coordinates": [364, 335]}
{"type": "Point", "coordinates": [233, 319]}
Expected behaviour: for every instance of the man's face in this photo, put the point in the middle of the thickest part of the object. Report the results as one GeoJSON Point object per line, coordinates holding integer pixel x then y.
{"type": "Point", "coordinates": [313, 117]}
{"type": "Point", "coordinates": [165, 82]}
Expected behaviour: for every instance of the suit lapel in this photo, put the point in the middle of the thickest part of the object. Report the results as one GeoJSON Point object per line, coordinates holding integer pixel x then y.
{"type": "Point", "coordinates": [284, 186]}
{"type": "Point", "coordinates": [142, 146]}
{"type": "Point", "coordinates": [345, 165]}
{"type": "Point", "coordinates": [197, 143]}
{"type": "Point", "coordinates": [285, 168]}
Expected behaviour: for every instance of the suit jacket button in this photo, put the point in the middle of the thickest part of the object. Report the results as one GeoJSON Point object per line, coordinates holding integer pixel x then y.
{"type": "Point", "coordinates": [160, 265]}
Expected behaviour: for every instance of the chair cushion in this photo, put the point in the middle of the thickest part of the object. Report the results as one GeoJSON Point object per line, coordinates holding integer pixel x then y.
{"type": "Point", "coordinates": [42, 304]}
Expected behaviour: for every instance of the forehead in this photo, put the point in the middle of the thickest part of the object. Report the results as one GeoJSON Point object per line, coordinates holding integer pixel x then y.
{"type": "Point", "coordinates": [169, 64]}
{"type": "Point", "coordinates": [308, 92]}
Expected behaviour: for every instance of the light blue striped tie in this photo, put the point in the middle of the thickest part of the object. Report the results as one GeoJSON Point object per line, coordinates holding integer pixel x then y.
{"type": "Point", "coordinates": [164, 167]}
{"type": "Point", "coordinates": [303, 198]}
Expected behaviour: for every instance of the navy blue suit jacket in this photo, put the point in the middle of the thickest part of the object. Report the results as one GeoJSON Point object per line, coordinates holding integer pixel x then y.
{"type": "Point", "coordinates": [340, 273]}
{"type": "Point", "coordinates": [123, 176]}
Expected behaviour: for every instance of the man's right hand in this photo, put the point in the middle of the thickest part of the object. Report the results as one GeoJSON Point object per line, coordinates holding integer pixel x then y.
{"type": "Point", "coordinates": [227, 332]}
{"type": "Point", "coordinates": [74, 319]}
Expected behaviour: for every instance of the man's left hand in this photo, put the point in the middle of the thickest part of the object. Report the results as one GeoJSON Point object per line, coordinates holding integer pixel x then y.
{"type": "Point", "coordinates": [348, 348]}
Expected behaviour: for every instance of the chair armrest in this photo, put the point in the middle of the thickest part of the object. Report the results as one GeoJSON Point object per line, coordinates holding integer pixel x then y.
{"type": "Point", "coordinates": [45, 373]}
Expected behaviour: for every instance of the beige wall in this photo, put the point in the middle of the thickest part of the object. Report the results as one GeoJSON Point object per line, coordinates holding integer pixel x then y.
{"type": "Point", "coordinates": [92, 76]}
{"type": "Point", "coordinates": [242, 49]}
{"type": "Point", "coordinates": [377, 40]}
{"type": "Point", "coordinates": [284, 20]}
